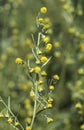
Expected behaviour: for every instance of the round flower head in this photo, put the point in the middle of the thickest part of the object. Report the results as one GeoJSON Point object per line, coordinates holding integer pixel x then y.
{"type": "Point", "coordinates": [78, 105]}
{"type": "Point", "coordinates": [28, 128]}
{"type": "Point", "coordinates": [40, 20]}
{"type": "Point", "coordinates": [49, 120]}
{"type": "Point", "coordinates": [43, 10]}
{"type": "Point", "coordinates": [55, 77]}
{"type": "Point", "coordinates": [49, 105]}
{"type": "Point", "coordinates": [9, 120]}
{"type": "Point", "coordinates": [37, 69]}
{"type": "Point", "coordinates": [82, 127]}
{"type": "Point", "coordinates": [44, 59]}
{"type": "Point", "coordinates": [46, 39]}
{"type": "Point", "coordinates": [19, 61]}
{"type": "Point", "coordinates": [16, 123]}
{"type": "Point", "coordinates": [48, 47]}
{"type": "Point", "coordinates": [43, 73]}
{"type": "Point", "coordinates": [51, 87]}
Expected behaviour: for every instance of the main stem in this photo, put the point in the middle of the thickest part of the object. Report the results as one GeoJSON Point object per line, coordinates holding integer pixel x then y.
{"type": "Point", "coordinates": [35, 104]}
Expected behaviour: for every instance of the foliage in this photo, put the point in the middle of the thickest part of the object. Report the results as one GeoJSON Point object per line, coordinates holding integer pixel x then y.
{"type": "Point", "coordinates": [56, 35]}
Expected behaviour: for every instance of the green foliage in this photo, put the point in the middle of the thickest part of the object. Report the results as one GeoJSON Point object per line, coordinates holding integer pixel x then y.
{"type": "Point", "coordinates": [19, 33]}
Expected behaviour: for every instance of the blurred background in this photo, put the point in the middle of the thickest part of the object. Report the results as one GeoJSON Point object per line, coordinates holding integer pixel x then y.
{"type": "Point", "coordinates": [17, 24]}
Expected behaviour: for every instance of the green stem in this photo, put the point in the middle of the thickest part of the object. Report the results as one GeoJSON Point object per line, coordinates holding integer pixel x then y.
{"type": "Point", "coordinates": [11, 113]}
{"type": "Point", "coordinates": [35, 105]}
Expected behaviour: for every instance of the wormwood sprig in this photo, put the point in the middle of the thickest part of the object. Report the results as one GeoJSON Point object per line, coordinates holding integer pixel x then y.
{"type": "Point", "coordinates": [36, 71]}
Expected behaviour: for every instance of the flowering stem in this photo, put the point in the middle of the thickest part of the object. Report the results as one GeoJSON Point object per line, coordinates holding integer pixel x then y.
{"type": "Point", "coordinates": [35, 104]}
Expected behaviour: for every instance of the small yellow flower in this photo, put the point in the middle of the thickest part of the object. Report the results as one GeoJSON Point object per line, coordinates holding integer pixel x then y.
{"type": "Point", "coordinates": [37, 69]}
{"type": "Point", "coordinates": [31, 70]}
{"type": "Point", "coordinates": [28, 120]}
{"type": "Point", "coordinates": [51, 87]}
{"type": "Point", "coordinates": [49, 120]}
{"type": "Point", "coordinates": [50, 100]}
{"type": "Point", "coordinates": [43, 73]}
{"type": "Point", "coordinates": [48, 47]}
{"type": "Point", "coordinates": [43, 10]}
{"type": "Point", "coordinates": [40, 89]}
{"type": "Point", "coordinates": [47, 20]}
{"type": "Point", "coordinates": [82, 127]}
{"type": "Point", "coordinates": [16, 123]}
{"type": "Point", "coordinates": [19, 61]}
{"type": "Point", "coordinates": [38, 62]}
{"type": "Point", "coordinates": [28, 128]}
{"type": "Point", "coordinates": [15, 31]}
{"type": "Point", "coordinates": [57, 54]}
{"type": "Point", "coordinates": [40, 82]}
{"type": "Point", "coordinates": [9, 120]}
{"type": "Point", "coordinates": [56, 77]}
{"type": "Point", "coordinates": [24, 87]}
{"type": "Point", "coordinates": [78, 106]}
{"type": "Point", "coordinates": [49, 105]}
{"type": "Point", "coordinates": [46, 39]}
{"type": "Point", "coordinates": [40, 20]}
{"type": "Point", "coordinates": [66, 7]}
{"type": "Point", "coordinates": [46, 26]}
{"type": "Point", "coordinates": [71, 30]}
{"type": "Point", "coordinates": [57, 44]}
{"type": "Point", "coordinates": [44, 59]}
{"type": "Point", "coordinates": [32, 94]}
{"type": "Point", "coordinates": [39, 52]}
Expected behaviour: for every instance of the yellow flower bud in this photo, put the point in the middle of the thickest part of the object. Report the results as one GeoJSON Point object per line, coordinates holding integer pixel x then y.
{"type": "Point", "coordinates": [51, 87]}
{"type": "Point", "coordinates": [50, 100]}
{"type": "Point", "coordinates": [49, 105]}
{"type": "Point", "coordinates": [66, 7]}
{"type": "Point", "coordinates": [37, 69]}
{"type": "Point", "coordinates": [28, 128]}
{"type": "Point", "coordinates": [43, 74]}
{"type": "Point", "coordinates": [46, 39]}
{"type": "Point", "coordinates": [19, 61]}
{"type": "Point", "coordinates": [78, 106]}
{"type": "Point", "coordinates": [37, 62]}
{"type": "Point", "coordinates": [16, 123]}
{"type": "Point", "coordinates": [82, 127]}
{"type": "Point", "coordinates": [71, 30]}
{"type": "Point", "coordinates": [48, 47]}
{"type": "Point", "coordinates": [46, 26]}
{"type": "Point", "coordinates": [43, 10]}
{"type": "Point", "coordinates": [44, 59]}
{"type": "Point", "coordinates": [49, 120]}
{"type": "Point", "coordinates": [55, 77]}
{"type": "Point", "coordinates": [28, 120]}
{"type": "Point", "coordinates": [40, 82]}
{"type": "Point", "coordinates": [40, 89]}
{"type": "Point", "coordinates": [9, 120]}
{"type": "Point", "coordinates": [40, 20]}
{"type": "Point", "coordinates": [32, 93]}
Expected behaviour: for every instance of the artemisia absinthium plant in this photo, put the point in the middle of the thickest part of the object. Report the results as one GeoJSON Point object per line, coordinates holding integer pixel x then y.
{"type": "Point", "coordinates": [37, 73]}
